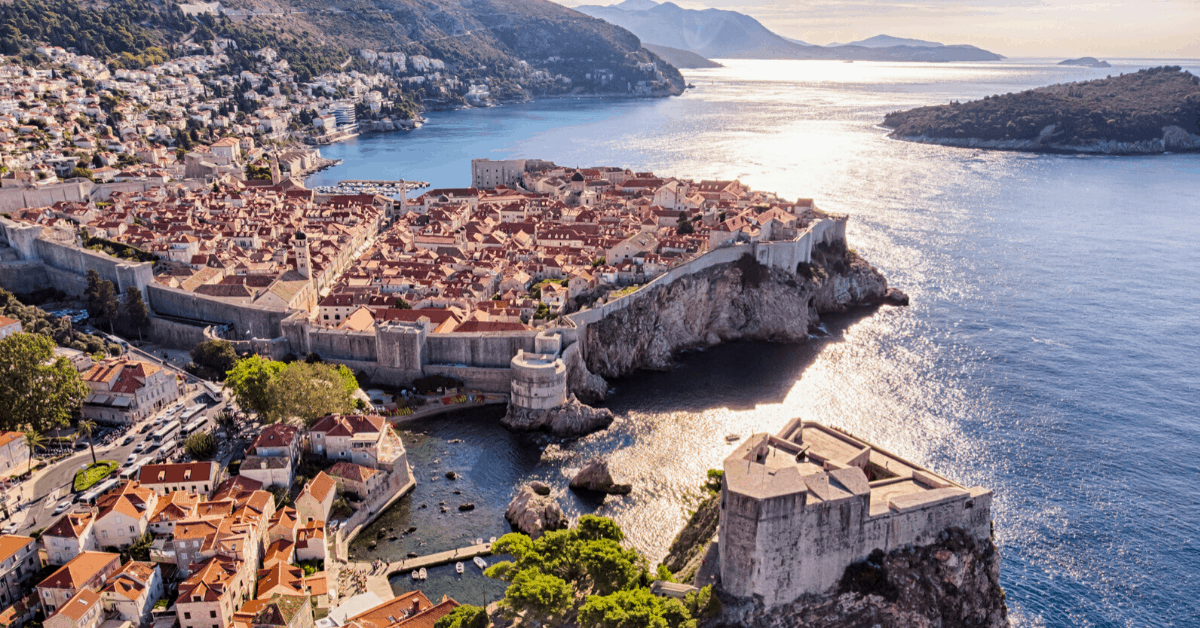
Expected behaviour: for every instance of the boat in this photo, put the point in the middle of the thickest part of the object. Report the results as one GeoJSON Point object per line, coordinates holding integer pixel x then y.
{"type": "Point", "coordinates": [424, 574]}
{"type": "Point", "coordinates": [479, 541]}
{"type": "Point", "coordinates": [491, 540]}
{"type": "Point", "coordinates": [732, 438]}
{"type": "Point", "coordinates": [479, 562]}
{"type": "Point", "coordinates": [416, 575]}
{"type": "Point", "coordinates": [458, 567]}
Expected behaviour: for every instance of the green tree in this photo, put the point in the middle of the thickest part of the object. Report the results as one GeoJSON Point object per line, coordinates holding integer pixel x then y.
{"type": "Point", "coordinates": [201, 445]}
{"type": "Point", "coordinates": [139, 550]}
{"type": "Point", "coordinates": [537, 594]}
{"type": "Point", "coordinates": [217, 357]}
{"type": "Point", "coordinates": [34, 441]}
{"type": "Point", "coordinates": [609, 566]}
{"type": "Point", "coordinates": [87, 428]}
{"type": "Point", "coordinates": [465, 616]}
{"type": "Point", "coordinates": [249, 381]}
{"type": "Point", "coordinates": [635, 608]}
{"type": "Point", "coordinates": [101, 298]}
{"type": "Point", "coordinates": [137, 315]}
{"type": "Point", "coordinates": [37, 390]}
{"type": "Point", "coordinates": [308, 391]}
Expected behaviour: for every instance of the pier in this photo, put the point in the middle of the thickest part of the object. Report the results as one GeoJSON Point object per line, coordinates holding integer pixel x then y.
{"type": "Point", "coordinates": [407, 565]}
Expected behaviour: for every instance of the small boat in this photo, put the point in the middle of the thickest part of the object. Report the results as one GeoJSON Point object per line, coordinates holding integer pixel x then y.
{"type": "Point", "coordinates": [458, 567]}
{"type": "Point", "coordinates": [416, 575]}
{"type": "Point", "coordinates": [424, 574]}
{"type": "Point", "coordinates": [479, 541]}
{"type": "Point", "coordinates": [732, 438]}
{"type": "Point", "coordinates": [491, 540]}
{"type": "Point", "coordinates": [479, 562]}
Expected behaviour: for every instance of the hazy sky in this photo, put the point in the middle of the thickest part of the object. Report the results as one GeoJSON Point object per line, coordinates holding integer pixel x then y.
{"type": "Point", "coordinates": [1015, 28]}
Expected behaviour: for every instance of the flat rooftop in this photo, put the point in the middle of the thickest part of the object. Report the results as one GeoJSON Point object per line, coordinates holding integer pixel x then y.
{"type": "Point", "coordinates": [828, 465]}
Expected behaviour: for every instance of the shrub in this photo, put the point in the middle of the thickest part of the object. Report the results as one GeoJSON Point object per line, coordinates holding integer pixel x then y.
{"type": "Point", "coordinates": [87, 478]}
{"type": "Point", "coordinates": [201, 445]}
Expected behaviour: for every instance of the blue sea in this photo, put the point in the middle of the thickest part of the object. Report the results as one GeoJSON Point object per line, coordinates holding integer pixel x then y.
{"type": "Point", "coordinates": [1051, 352]}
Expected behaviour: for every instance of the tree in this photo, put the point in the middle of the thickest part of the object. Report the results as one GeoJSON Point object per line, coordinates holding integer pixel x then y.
{"type": "Point", "coordinates": [137, 315]}
{"type": "Point", "coordinates": [201, 445]}
{"type": "Point", "coordinates": [87, 428]}
{"type": "Point", "coordinates": [139, 550]}
{"type": "Point", "coordinates": [249, 380]}
{"type": "Point", "coordinates": [217, 357]}
{"type": "Point", "coordinates": [34, 441]}
{"type": "Point", "coordinates": [101, 298]}
{"type": "Point", "coordinates": [308, 391]}
{"type": "Point", "coordinates": [465, 616]}
{"type": "Point", "coordinates": [609, 566]}
{"type": "Point", "coordinates": [37, 390]}
{"type": "Point", "coordinates": [635, 608]}
{"type": "Point", "coordinates": [537, 594]}
{"type": "Point", "coordinates": [401, 304]}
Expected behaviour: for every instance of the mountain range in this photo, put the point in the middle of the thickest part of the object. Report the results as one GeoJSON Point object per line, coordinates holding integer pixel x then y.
{"type": "Point", "coordinates": [722, 34]}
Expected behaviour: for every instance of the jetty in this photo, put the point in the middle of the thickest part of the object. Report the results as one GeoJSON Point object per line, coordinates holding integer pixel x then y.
{"type": "Point", "coordinates": [407, 565]}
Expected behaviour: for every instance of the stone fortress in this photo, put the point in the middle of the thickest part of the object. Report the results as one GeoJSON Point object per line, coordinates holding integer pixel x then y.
{"type": "Point", "coordinates": [798, 508]}
{"type": "Point", "coordinates": [538, 368]}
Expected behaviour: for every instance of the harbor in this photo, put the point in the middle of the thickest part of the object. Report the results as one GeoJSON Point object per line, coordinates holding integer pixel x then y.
{"type": "Point", "coordinates": [466, 555]}
{"type": "Point", "coordinates": [387, 188]}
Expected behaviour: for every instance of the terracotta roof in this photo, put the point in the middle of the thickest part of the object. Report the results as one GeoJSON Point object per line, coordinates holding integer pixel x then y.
{"type": "Point", "coordinates": [79, 570]}
{"type": "Point", "coordinates": [351, 471]}
{"type": "Point", "coordinates": [10, 544]}
{"type": "Point", "coordinates": [6, 321]}
{"type": "Point", "coordinates": [210, 581]}
{"type": "Point", "coordinates": [175, 506]}
{"type": "Point", "coordinates": [235, 486]}
{"type": "Point", "coordinates": [321, 486]}
{"type": "Point", "coordinates": [282, 576]}
{"type": "Point", "coordinates": [80, 603]}
{"type": "Point", "coordinates": [399, 612]}
{"type": "Point", "coordinates": [275, 435]}
{"type": "Point", "coordinates": [177, 473]}
{"type": "Point", "coordinates": [70, 526]}
{"type": "Point", "coordinates": [130, 499]}
{"type": "Point", "coordinates": [8, 437]}
{"type": "Point", "coordinates": [280, 550]}
{"type": "Point", "coordinates": [349, 424]}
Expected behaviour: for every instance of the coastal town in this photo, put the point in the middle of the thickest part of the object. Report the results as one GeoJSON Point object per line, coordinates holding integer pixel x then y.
{"type": "Point", "coordinates": [165, 262]}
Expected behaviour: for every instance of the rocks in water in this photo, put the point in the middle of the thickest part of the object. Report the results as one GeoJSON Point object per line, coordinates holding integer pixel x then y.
{"type": "Point", "coordinates": [380, 534]}
{"type": "Point", "coordinates": [895, 296]}
{"type": "Point", "coordinates": [595, 477]}
{"type": "Point", "coordinates": [533, 512]}
{"type": "Point", "coordinates": [450, 475]}
{"type": "Point", "coordinates": [568, 420]}
{"type": "Point", "coordinates": [423, 506]}
{"type": "Point", "coordinates": [444, 509]}
{"type": "Point", "coordinates": [393, 537]}
{"type": "Point", "coordinates": [458, 492]}
{"type": "Point", "coordinates": [411, 530]}
{"type": "Point", "coordinates": [372, 545]}
{"type": "Point", "coordinates": [467, 507]}
{"type": "Point", "coordinates": [413, 554]}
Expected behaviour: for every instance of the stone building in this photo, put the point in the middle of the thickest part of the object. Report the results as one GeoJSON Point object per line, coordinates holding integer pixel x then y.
{"type": "Point", "coordinates": [19, 562]}
{"type": "Point", "coordinates": [798, 508]}
{"type": "Point", "coordinates": [126, 391]}
{"type": "Point", "coordinates": [68, 537]}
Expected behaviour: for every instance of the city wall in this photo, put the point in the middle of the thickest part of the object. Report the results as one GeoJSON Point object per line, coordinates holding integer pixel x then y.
{"type": "Point", "coordinates": [245, 321]}
{"type": "Point", "coordinates": [23, 276]}
{"type": "Point", "coordinates": [15, 199]}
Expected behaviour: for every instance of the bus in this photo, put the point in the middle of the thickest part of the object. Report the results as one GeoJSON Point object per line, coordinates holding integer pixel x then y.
{"type": "Point", "coordinates": [132, 472]}
{"type": "Point", "coordinates": [195, 426]}
{"type": "Point", "coordinates": [167, 431]}
{"type": "Point", "coordinates": [192, 412]}
{"type": "Point", "coordinates": [92, 495]}
{"type": "Point", "coordinates": [168, 449]}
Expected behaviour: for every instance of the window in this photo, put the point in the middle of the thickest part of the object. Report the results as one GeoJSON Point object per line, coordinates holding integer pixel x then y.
{"type": "Point", "coordinates": [212, 613]}
{"type": "Point", "coordinates": [187, 615]}
{"type": "Point", "coordinates": [131, 528]}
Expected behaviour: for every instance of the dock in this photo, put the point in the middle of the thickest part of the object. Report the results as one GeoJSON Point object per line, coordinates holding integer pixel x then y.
{"type": "Point", "coordinates": [407, 565]}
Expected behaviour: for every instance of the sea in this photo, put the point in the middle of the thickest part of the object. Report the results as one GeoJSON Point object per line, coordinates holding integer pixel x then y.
{"type": "Point", "coordinates": [1051, 352]}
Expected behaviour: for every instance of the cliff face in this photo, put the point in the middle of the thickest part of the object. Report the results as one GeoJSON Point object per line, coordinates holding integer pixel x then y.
{"type": "Point", "coordinates": [742, 300]}
{"type": "Point", "coordinates": [952, 583]}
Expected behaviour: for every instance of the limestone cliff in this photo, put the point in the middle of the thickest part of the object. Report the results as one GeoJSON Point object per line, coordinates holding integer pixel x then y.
{"type": "Point", "coordinates": [568, 420]}
{"type": "Point", "coordinates": [952, 583]}
{"type": "Point", "coordinates": [741, 300]}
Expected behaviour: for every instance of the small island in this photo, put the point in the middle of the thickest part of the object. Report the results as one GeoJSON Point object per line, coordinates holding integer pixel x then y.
{"type": "Point", "coordinates": [1087, 62]}
{"type": "Point", "coordinates": [1145, 112]}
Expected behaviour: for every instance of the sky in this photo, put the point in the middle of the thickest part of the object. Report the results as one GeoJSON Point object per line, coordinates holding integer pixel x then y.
{"type": "Point", "coordinates": [1014, 28]}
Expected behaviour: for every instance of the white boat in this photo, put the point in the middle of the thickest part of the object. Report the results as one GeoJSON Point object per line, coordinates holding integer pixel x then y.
{"type": "Point", "coordinates": [458, 567]}
{"type": "Point", "coordinates": [424, 574]}
{"type": "Point", "coordinates": [416, 575]}
{"type": "Point", "coordinates": [479, 562]}
{"type": "Point", "coordinates": [479, 541]}
{"type": "Point", "coordinates": [491, 540]}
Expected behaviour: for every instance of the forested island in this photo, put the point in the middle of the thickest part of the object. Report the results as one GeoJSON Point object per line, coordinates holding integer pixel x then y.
{"type": "Point", "coordinates": [1149, 111]}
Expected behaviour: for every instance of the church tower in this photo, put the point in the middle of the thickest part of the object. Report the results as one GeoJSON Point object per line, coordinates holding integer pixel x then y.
{"type": "Point", "coordinates": [303, 255]}
{"type": "Point", "coordinates": [275, 176]}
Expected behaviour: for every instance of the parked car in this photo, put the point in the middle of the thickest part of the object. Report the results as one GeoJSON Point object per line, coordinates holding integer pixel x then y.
{"type": "Point", "coordinates": [140, 448]}
{"type": "Point", "coordinates": [131, 459]}
{"type": "Point", "coordinates": [128, 439]}
{"type": "Point", "coordinates": [9, 529]}
{"type": "Point", "coordinates": [62, 507]}
{"type": "Point", "coordinates": [81, 444]}
{"type": "Point", "coordinates": [146, 427]}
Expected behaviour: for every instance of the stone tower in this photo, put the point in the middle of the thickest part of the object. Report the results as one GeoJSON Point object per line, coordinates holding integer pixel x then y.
{"type": "Point", "coordinates": [303, 255]}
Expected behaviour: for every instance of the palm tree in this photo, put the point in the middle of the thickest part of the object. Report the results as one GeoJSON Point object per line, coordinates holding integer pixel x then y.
{"type": "Point", "coordinates": [34, 441]}
{"type": "Point", "coordinates": [87, 427]}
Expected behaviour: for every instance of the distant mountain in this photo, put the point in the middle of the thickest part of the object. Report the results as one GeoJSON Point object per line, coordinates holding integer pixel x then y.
{"type": "Point", "coordinates": [1087, 62]}
{"type": "Point", "coordinates": [720, 34]}
{"type": "Point", "coordinates": [885, 41]}
{"type": "Point", "coordinates": [682, 59]}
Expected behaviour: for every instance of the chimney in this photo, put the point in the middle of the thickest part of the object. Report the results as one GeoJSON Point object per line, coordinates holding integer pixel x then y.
{"type": "Point", "coordinates": [416, 608]}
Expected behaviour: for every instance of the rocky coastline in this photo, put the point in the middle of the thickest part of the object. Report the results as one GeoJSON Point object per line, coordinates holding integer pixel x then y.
{"type": "Point", "coordinates": [1174, 139]}
{"type": "Point", "coordinates": [569, 420]}
{"type": "Point", "coordinates": [739, 301]}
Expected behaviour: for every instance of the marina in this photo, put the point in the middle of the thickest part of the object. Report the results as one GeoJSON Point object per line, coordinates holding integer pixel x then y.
{"type": "Point", "coordinates": [417, 567]}
{"type": "Point", "coordinates": [386, 188]}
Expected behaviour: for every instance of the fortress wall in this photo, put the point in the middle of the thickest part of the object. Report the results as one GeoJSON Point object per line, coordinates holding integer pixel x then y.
{"type": "Point", "coordinates": [24, 276]}
{"type": "Point", "coordinates": [492, 380]}
{"type": "Point", "coordinates": [247, 321]}
{"type": "Point", "coordinates": [490, 350]}
{"type": "Point", "coordinates": [335, 344]}
{"type": "Point", "coordinates": [65, 280]}
{"type": "Point", "coordinates": [174, 334]}
{"type": "Point", "coordinates": [13, 199]}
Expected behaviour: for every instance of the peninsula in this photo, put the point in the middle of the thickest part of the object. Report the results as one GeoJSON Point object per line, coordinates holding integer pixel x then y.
{"type": "Point", "coordinates": [1087, 62]}
{"type": "Point", "coordinates": [1149, 111]}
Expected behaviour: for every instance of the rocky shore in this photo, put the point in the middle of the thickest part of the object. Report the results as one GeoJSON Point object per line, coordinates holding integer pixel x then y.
{"type": "Point", "coordinates": [534, 512]}
{"type": "Point", "coordinates": [952, 583]}
{"type": "Point", "coordinates": [569, 420]}
{"type": "Point", "coordinates": [739, 301]}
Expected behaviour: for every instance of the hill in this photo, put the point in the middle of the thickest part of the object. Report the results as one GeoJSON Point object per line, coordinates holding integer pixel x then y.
{"type": "Point", "coordinates": [1087, 62]}
{"type": "Point", "coordinates": [721, 34]}
{"type": "Point", "coordinates": [476, 38]}
{"type": "Point", "coordinates": [1149, 111]}
{"type": "Point", "coordinates": [681, 59]}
